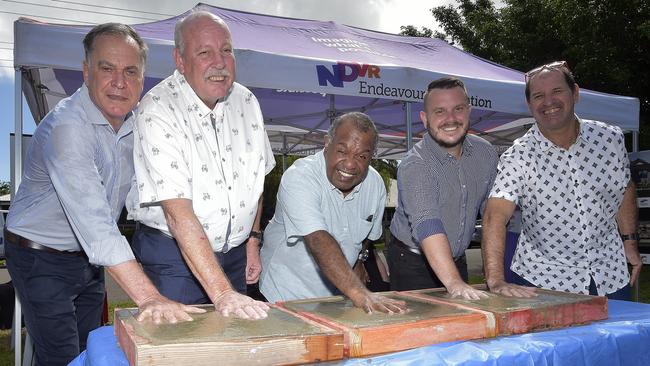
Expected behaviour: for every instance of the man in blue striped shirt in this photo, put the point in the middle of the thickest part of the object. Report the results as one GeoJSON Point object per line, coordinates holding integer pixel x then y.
{"type": "Point", "coordinates": [442, 183]}
{"type": "Point", "coordinates": [62, 225]}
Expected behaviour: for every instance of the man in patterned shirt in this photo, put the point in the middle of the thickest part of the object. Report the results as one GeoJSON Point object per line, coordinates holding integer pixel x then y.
{"type": "Point", "coordinates": [571, 178]}
{"type": "Point", "coordinates": [200, 156]}
{"type": "Point", "coordinates": [443, 182]}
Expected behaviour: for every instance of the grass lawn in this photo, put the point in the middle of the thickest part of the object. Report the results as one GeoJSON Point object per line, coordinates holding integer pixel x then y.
{"type": "Point", "coordinates": [7, 354]}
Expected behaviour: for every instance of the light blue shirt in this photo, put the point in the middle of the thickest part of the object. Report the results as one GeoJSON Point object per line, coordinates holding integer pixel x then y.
{"type": "Point", "coordinates": [307, 202]}
{"type": "Point", "coordinates": [77, 174]}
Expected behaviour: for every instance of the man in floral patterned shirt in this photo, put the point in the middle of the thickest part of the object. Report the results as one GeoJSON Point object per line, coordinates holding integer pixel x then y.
{"type": "Point", "coordinates": [200, 156]}
{"type": "Point", "coordinates": [571, 178]}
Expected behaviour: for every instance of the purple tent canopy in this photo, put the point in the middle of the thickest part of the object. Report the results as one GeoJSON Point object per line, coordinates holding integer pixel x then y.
{"type": "Point", "coordinates": [305, 72]}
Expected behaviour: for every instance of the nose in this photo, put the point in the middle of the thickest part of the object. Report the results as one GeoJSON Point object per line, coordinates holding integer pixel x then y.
{"type": "Point", "coordinates": [118, 80]}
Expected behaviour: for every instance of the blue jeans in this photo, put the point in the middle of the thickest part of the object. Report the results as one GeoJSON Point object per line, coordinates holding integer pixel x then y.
{"type": "Point", "coordinates": [62, 298]}
{"type": "Point", "coordinates": [163, 263]}
{"type": "Point", "coordinates": [622, 294]}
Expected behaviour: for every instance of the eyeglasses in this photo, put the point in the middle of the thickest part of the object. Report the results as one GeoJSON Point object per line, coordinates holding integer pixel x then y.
{"type": "Point", "coordinates": [555, 65]}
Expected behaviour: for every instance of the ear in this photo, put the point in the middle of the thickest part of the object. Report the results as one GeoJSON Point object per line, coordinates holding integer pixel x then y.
{"type": "Point", "coordinates": [576, 94]}
{"type": "Point", "coordinates": [85, 72]}
{"type": "Point", "coordinates": [178, 59]}
{"type": "Point", "coordinates": [423, 118]}
{"type": "Point", "coordinates": [326, 142]}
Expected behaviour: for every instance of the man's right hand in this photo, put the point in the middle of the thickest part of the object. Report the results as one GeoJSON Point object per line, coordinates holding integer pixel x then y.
{"type": "Point", "coordinates": [511, 290]}
{"type": "Point", "coordinates": [160, 309]}
{"type": "Point", "coordinates": [371, 302]}
{"type": "Point", "coordinates": [233, 303]}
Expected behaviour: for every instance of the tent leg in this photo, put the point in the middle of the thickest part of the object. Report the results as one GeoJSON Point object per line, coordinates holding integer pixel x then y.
{"type": "Point", "coordinates": [409, 127]}
{"type": "Point", "coordinates": [16, 175]}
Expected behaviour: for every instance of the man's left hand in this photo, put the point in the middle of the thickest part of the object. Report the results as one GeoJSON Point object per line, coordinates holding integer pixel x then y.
{"type": "Point", "coordinates": [371, 302]}
{"type": "Point", "coordinates": [160, 309]}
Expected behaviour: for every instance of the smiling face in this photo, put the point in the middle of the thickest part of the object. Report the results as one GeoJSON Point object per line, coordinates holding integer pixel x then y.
{"type": "Point", "coordinates": [446, 117]}
{"type": "Point", "coordinates": [207, 60]}
{"type": "Point", "coordinates": [114, 75]}
{"type": "Point", "coordinates": [348, 156]}
{"type": "Point", "coordinates": [552, 101]}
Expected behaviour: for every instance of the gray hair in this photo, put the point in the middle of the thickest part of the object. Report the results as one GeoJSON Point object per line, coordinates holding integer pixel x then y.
{"type": "Point", "coordinates": [179, 42]}
{"type": "Point", "coordinates": [114, 29]}
{"type": "Point", "coordinates": [361, 122]}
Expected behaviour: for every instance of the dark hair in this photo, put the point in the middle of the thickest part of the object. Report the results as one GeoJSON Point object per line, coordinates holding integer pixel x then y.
{"type": "Point", "coordinates": [447, 82]}
{"type": "Point", "coordinates": [114, 29]}
{"type": "Point", "coordinates": [361, 122]}
{"type": "Point", "coordinates": [568, 77]}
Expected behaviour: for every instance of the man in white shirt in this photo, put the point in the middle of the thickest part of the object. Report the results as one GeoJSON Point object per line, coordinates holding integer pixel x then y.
{"type": "Point", "coordinates": [571, 178]}
{"type": "Point", "coordinates": [200, 154]}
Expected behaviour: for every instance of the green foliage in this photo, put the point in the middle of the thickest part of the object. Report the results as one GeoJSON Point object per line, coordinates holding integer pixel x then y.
{"type": "Point", "coordinates": [5, 188]}
{"type": "Point", "coordinates": [606, 43]}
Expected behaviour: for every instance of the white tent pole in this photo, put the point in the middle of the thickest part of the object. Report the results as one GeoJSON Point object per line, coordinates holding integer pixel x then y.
{"type": "Point", "coordinates": [17, 174]}
{"type": "Point", "coordinates": [409, 128]}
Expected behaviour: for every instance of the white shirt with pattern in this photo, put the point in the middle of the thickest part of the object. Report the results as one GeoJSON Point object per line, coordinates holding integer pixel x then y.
{"type": "Point", "coordinates": [215, 158]}
{"type": "Point", "coordinates": [569, 201]}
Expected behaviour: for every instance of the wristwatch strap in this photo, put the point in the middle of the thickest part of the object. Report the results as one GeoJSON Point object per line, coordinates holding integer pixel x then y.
{"type": "Point", "coordinates": [633, 236]}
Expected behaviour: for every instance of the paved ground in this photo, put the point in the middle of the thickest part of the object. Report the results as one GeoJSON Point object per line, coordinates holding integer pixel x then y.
{"type": "Point", "coordinates": [115, 293]}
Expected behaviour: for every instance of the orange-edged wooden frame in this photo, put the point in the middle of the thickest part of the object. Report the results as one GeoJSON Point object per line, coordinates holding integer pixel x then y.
{"type": "Point", "coordinates": [284, 338]}
{"type": "Point", "coordinates": [426, 323]}
{"type": "Point", "coordinates": [548, 310]}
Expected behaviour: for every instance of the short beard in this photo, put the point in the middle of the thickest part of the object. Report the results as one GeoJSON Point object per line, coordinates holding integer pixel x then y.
{"type": "Point", "coordinates": [447, 145]}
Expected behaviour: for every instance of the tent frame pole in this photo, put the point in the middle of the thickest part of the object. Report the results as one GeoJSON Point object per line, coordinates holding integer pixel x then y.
{"type": "Point", "coordinates": [409, 127]}
{"type": "Point", "coordinates": [16, 176]}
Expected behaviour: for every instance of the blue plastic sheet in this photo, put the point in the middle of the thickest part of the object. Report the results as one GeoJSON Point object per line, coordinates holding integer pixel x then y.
{"type": "Point", "coordinates": [621, 340]}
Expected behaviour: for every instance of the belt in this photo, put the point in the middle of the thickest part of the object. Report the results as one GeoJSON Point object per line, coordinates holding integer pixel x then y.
{"type": "Point", "coordinates": [26, 243]}
{"type": "Point", "coordinates": [399, 244]}
{"type": "Point", "coordinates": [152, 230]}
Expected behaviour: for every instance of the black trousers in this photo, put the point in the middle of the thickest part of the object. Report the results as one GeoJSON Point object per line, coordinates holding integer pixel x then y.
{"type": "Point", "coordinates": [62, 298]}
{"type": "Point", "coordinates": [411, 271]}
{"type": "Point", "coordinates": [162, 261]}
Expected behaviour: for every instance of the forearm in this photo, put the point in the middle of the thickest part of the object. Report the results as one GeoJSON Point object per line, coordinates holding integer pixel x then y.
{"type": "Point", "coordinates": [133, 281]}
{"type": "Point", "coordinates": [195, 247]}
{"type": "Point", "coordinates": [627, 216]}
{"type": "Point", "coordinates": [493, 239]}
{"type": "Point", "coordinates": [333, 264]}
{"type": "Point", "coordinates": [438, 253]}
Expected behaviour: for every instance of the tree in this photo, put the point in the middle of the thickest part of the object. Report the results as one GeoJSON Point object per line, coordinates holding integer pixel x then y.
{"type": "Point", "coordinates": [5, 188]}
{"type": "Point", "coordinates": [605, 42]}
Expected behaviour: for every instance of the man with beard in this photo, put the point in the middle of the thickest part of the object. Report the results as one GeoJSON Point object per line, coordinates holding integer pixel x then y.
{"type": "Point", "coordinates": [328, 204]}
{"type": "Point", "coordinates": [442, 182]}
{"type": "Point", "coordinates": [571, 178]}
{"type": "Point", "coordinates": [200, 156]}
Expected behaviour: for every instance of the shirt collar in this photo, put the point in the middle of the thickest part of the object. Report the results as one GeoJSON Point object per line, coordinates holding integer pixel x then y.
{"type": "Point", "coordinates": [95, 116]}
{"type": "Point", "coordinates": [584, 134]}
{"type": "Point", "coordinates": [196, 105]}
{"type": "Point", "coordinates": [441, 153]}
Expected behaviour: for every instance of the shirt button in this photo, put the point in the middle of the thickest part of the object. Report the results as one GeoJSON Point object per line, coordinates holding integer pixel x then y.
{"type": "Point", "coordinates": [229, 188]}
{"type": "Point", "coordinates": [233, 216]}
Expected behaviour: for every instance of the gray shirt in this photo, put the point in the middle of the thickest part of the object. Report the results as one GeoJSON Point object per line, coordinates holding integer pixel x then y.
{"type": "Point", "coordinates": [307, 202]}
{"type": "Point", "coordinates": [77, 174]}
{"type": "Point", "coordinates": [438, 194]}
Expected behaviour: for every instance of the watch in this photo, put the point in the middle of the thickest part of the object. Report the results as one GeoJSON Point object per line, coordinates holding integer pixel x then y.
{"type": "Point", "coordinates": [256, 234]}
{"type": "Point", "coordinates": [363, 255]}
{"type": "Point", "coordinates": [633, 236]}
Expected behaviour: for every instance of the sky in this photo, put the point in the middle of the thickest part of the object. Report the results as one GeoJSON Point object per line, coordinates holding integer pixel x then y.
{"type": "Point", "coordinates": [382, 15]}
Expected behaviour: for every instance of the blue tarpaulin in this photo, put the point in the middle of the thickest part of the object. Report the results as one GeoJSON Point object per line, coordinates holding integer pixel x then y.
{"type": "Point", "coordinates": [621, 340]}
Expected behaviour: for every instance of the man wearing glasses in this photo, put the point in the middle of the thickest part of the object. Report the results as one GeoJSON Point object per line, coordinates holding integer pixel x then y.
{"type": "Point", "coordinates": [571, 178]}
{"type": "Point", "coordinates": [443, 182]}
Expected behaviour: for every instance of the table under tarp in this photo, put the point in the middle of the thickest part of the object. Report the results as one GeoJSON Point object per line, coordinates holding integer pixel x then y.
{"type": "Point", "coordinates": [623, 339]}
